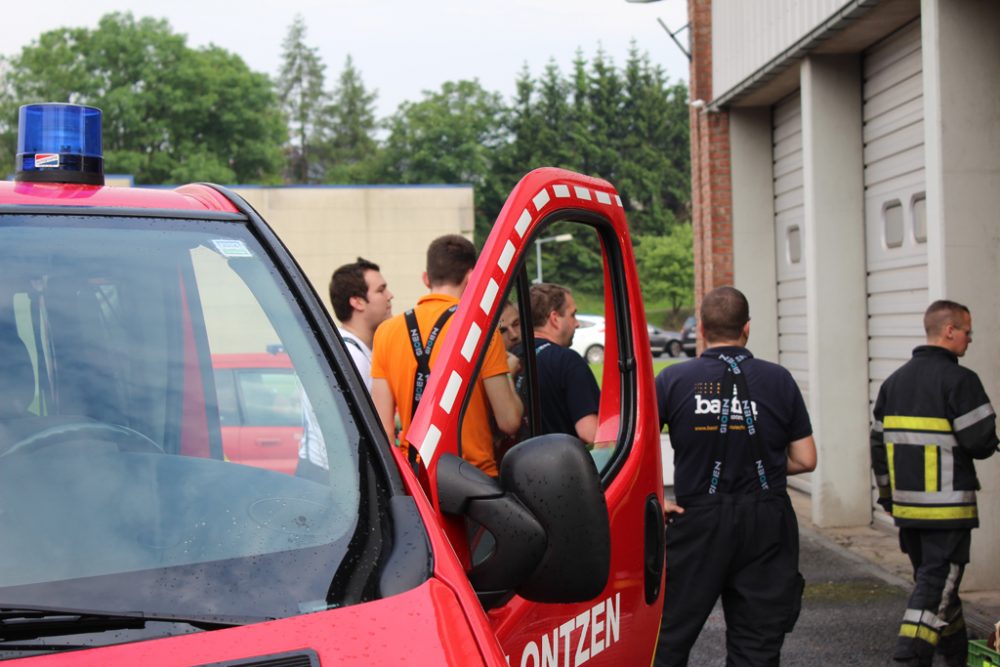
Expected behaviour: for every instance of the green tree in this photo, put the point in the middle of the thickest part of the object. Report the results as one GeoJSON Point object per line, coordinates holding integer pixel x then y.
{"type": "Point", "coordinates": [171, 113]}
{"type": "Point", "coordinates": [666, 267]}
{"type": "Point", "coordinates": [654, 171]}
{"type": "Point", "coordinates": [450, 136]}
{"type": "Point", "coordinates": [300, 86]}
{"type": "Point", "coordinates": [350, 117]}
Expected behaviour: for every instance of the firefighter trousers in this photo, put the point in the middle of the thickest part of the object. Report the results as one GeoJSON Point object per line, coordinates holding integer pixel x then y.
{"type": "Point", "coordinates": [933, 619]}
{"type": "Point", "coordinates": [744, 549]}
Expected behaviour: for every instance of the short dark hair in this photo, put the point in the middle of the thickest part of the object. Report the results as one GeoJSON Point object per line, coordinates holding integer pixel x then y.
{"type": "Point", "coordinates": [349, 281]}
{"type": "Point", "coordinates": [941, 313]}
{"type": "Point", "coordinates": [545, 298]}
{"type": "Point", "coordinates": [724, 312]}
{"type": "Point", "coordinates": [449, 259]}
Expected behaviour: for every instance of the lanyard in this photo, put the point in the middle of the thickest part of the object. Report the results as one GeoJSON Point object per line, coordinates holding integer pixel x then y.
{"type": "Point", "coordinates": [357, 346]}
{"type": "Point", "coordinates": [422, 353]}
{"type": "Point", "coordinates": [735, 381]}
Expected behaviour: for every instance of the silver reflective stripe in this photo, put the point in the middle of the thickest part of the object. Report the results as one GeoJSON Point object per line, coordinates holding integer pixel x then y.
{"type": "Point", "coordinates": [923, 617]}
{"type": "Point", "coordinates": [934, 497]}
{"type": "Point", "coordinates": [877, 425]}
{"type": "Point", "coordinates": [949, 596]}
{"type": "Point", "coordinates": [882, 480]}
{"type": "Point", "coordinates": [947, 469]}
{"type": "Point", "coordinates": [969, 418]}
{"type": "Point", "coordinates": [942, 440]}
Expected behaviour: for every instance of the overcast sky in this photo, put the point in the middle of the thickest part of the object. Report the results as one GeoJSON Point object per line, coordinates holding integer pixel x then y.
{"type": "Point", "coordinates": [401, 47]}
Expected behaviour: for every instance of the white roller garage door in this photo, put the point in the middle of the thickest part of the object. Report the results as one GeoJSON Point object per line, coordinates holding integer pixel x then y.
{"type": "Point", "coordinates": [789, 219]}
{"type": "Point", "coordinates": [895, 222]}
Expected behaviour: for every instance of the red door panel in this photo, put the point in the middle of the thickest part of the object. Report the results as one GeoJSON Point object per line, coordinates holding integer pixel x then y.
{"type": "Point", "coordinates": [620, 626]}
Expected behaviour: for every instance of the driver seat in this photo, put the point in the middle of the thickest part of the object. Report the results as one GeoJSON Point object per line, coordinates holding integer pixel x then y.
{"type": "Point", "coordinates": [17, 375]}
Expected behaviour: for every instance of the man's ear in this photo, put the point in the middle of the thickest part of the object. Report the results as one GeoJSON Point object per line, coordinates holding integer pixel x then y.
{"type": "Point", "coordinates": [746, 330]}
{"type": "Point", "coordinates": [357, 303]}
{"type": "Point", "coordinates": [427, 281]}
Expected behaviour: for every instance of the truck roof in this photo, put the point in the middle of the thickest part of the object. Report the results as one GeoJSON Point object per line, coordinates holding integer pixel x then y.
{"type": "Point", "coordinates": [197, 197]}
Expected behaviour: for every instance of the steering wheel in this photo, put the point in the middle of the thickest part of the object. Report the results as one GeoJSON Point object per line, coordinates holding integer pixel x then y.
{"type": "Point", "coordinates": [126, 438]}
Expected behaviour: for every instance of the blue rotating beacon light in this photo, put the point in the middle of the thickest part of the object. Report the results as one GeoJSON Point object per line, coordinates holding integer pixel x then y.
{"type": "Point", "coordinates": [59, 143]}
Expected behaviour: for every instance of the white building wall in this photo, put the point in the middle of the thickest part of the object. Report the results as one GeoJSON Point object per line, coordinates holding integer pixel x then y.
{"type": "Point", "coordinates": [746, 34]}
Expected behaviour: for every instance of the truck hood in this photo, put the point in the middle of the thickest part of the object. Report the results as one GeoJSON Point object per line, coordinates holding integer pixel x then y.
{"type": "Point", "coordinates": [423, 626]}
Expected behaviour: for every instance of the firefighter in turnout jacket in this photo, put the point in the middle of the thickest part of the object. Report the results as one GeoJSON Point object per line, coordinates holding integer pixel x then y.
{"type": "Point", "coordinates": [931, 419]}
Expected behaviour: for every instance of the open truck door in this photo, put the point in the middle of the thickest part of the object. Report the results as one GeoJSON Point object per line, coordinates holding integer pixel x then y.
{"type": "Point", "coordinates": [584, 585]}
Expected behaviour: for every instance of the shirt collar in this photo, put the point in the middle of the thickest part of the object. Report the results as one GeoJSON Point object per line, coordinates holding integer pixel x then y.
{"type": "Point", "coordinates": [435, 297]}
{"type": "Point", "coordinates": [930, 350]}
{"type": "Point", "coordinates": [729, 350]}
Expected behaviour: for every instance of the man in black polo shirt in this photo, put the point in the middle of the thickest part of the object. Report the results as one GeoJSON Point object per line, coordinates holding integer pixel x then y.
{"type": "Point", "coordinates": [568, 393]}
{"type": "Point", "coordinates": [738, 426]}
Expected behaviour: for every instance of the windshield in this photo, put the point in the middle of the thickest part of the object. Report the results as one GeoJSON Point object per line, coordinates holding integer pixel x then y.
{"type": "Point", "coordinates": [172, 439]}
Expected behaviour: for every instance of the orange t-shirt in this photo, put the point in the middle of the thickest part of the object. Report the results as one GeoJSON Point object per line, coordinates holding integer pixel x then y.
{"type": "Point", "coordinates": [393, 361]}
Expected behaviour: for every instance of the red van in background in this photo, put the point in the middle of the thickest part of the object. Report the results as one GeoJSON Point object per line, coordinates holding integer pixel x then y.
{"type": "Point", "coordinates": [260, 409]}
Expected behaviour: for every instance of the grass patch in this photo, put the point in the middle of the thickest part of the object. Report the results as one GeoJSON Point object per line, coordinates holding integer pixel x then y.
{"type": "Point", "coordinates": [658, 365]}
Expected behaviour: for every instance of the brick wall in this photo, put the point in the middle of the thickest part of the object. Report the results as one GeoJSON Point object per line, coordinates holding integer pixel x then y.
{"type": "Point", "coordinates": [711, 183]}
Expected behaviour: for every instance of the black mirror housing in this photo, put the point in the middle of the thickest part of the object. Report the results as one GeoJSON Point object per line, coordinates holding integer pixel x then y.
{"type": "Point", "coordinates": [547, 514]}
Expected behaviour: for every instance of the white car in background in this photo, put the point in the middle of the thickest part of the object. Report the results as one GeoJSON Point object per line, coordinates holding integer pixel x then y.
{"type": "Point", "coordinates": [588, 339]}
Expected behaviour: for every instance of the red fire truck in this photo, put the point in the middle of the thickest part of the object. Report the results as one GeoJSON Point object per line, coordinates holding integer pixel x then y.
{"type": "Point", "coordinates": [131, 538]}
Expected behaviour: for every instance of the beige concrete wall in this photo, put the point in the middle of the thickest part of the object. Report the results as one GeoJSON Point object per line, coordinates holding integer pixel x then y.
{"type": "Point", "coordinates": [836, 309]}
{"type": "Point", "coordinates": [325, 227]}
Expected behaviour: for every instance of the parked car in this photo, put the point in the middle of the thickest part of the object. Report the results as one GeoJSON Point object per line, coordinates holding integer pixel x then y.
{"type": "Point", "coordinates": [260, 409]}
{"type": "Point", "coordinates": [689, 336]}
{"type": "Point", "coordinates": [661, 341]}
{"type": "Point", "coordinates": [588, 339]}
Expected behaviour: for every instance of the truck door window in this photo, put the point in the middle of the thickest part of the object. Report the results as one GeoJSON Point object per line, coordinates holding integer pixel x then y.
{"type": "Point", "coordinates": [589, 266]}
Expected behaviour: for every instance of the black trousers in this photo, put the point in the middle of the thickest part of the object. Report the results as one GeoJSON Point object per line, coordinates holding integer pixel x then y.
{"type": "Point", "coordinates": [933, 619]}
{"type": "Point", "coordinates": [744, 549]}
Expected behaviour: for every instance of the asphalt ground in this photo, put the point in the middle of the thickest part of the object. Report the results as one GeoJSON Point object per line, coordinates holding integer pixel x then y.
{"type": "Point", "coordinates": [857, 586]}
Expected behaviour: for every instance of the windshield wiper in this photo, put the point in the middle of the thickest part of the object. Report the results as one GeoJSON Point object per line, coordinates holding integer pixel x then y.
{"type": "Point", "coordinates": [30, 621]}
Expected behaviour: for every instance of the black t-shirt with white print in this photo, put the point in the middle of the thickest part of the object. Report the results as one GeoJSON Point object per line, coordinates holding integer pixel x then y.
{"type": "Point", "coordinates": [689, 399]}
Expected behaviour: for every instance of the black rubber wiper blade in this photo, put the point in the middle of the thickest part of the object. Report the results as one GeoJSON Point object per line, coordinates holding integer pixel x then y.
{"type": "Point", "coordinates": [31, 621]}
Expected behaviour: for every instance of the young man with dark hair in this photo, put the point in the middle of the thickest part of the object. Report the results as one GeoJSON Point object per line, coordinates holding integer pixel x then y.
{"type": "Point", "coordinates": [361, 300]}
{"type": "Point", "coordinates": [400, 374]}
{"type": "Point", "coordinates": [932, 418]}
{"type": "Point", "coordinates": [569, 397]}
{"type": "Point", "coordinates": [738, 427]}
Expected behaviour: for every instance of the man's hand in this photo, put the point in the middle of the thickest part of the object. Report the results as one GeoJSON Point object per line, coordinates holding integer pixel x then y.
{"type": "Point", "coordinates": [670, 507]}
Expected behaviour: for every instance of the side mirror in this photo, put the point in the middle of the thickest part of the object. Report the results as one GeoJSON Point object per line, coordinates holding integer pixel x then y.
{"type": "Point", "coordinates": [548, 517]}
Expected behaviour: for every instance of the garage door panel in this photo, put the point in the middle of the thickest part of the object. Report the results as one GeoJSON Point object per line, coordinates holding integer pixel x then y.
{"type": "Point", "coordinates": [906, 161]}
{"type": "Point", "coordinates": [887, 53]}
{"type": "Point", "coordinates": [900, 186]}
{"type": "Point", "coordinates": [890, 351]}
{"type": "Point", "coordinates": [906, 136]}
{"type": "Point", "coordinates": [911, 277]}
{"type": "Point", "coordinates": [903, 71]}
{"type": "Point", "coordinates": [908, 112]}
{"type": "Point", "coordinates": [791, 307]}
{"type": "Point", "coordinates": [791, 290]}
{"type": "Point", "coordinates": [897, 326]}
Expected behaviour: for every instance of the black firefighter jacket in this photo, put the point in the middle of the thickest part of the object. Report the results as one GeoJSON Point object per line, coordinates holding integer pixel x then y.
{"type": "Point", "coordinates": [931, 419]}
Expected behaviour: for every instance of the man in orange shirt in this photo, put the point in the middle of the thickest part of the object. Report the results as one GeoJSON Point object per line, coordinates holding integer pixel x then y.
{"type": "Point", "coordinates": [399, 373]}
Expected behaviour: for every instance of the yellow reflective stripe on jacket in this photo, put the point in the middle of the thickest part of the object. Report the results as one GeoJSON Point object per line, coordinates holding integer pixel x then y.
{"type": "Point", "coordinates": [892, 466]}
{"type": "Point", "coordinates": [917, 423]}
{"type": "Point", "coordinates": [936, 513]}
{"type": "Point", "coordinates": [931, 468]}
